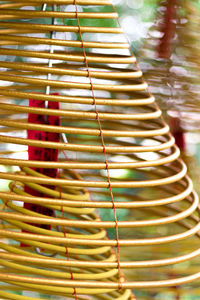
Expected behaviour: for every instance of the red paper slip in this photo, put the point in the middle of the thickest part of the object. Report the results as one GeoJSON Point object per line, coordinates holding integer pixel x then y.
{"type": "Point", "coordinates": [42, 154]}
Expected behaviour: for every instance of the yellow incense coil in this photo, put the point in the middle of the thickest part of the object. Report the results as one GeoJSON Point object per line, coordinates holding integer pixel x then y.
{"type": "Point", "coordinates": [121, 159]}
{"type": "Point", "coordinates": [174, 77]}
{"type": "Point", "coordinates": [57, 241]}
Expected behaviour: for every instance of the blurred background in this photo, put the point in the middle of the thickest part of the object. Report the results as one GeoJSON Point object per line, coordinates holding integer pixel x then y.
{"type": "Point", "coordinates": [164, 35]}
{"type": "Point", "coordinates": [165, 38]}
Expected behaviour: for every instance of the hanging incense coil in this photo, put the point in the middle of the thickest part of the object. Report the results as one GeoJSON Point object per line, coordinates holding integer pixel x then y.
{"type": "Point", "coordinates": [174, 77]}
{"type": "Point", "coordinates": [58, 241]}
{"type": "Point", "coordinates": [170, 56]}
{"type": "Point", "coordinates": [121, 160]}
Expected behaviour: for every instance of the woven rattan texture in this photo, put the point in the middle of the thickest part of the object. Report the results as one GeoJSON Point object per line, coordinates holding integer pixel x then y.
{"type": "Point", "coordinates": [115, 155]}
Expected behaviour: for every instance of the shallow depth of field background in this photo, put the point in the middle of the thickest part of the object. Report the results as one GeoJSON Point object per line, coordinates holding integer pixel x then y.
{"type": "Point", "coordinates": [174, 80]}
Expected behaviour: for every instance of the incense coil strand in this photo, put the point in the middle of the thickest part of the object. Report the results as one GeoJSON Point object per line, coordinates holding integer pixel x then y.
{"type": "Point", "coordinates": [137, 142]}
{"type": "Point", "coordinates": [97, 251]}
{"type": "Point", "coordinates": [23, 237]}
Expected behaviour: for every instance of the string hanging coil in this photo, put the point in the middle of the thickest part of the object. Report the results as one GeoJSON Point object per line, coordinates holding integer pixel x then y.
{"type": "Point", "coordinates": [119, 153]}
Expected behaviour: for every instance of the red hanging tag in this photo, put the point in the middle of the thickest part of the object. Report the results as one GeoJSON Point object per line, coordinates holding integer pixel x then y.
{"type": "Point", "coordinates": [42, 154]}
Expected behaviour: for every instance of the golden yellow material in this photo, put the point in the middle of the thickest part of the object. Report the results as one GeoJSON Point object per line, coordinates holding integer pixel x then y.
{"type": "Point", "coordinates": [115, 155]}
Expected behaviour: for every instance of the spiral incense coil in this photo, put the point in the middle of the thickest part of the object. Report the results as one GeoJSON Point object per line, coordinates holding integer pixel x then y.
{"type": "Point", "coordinates": [58, 241]}
{"type": "Point", "coordinates": [71, 87]}
{"type": "Point", "coordinates": [170, 57]}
